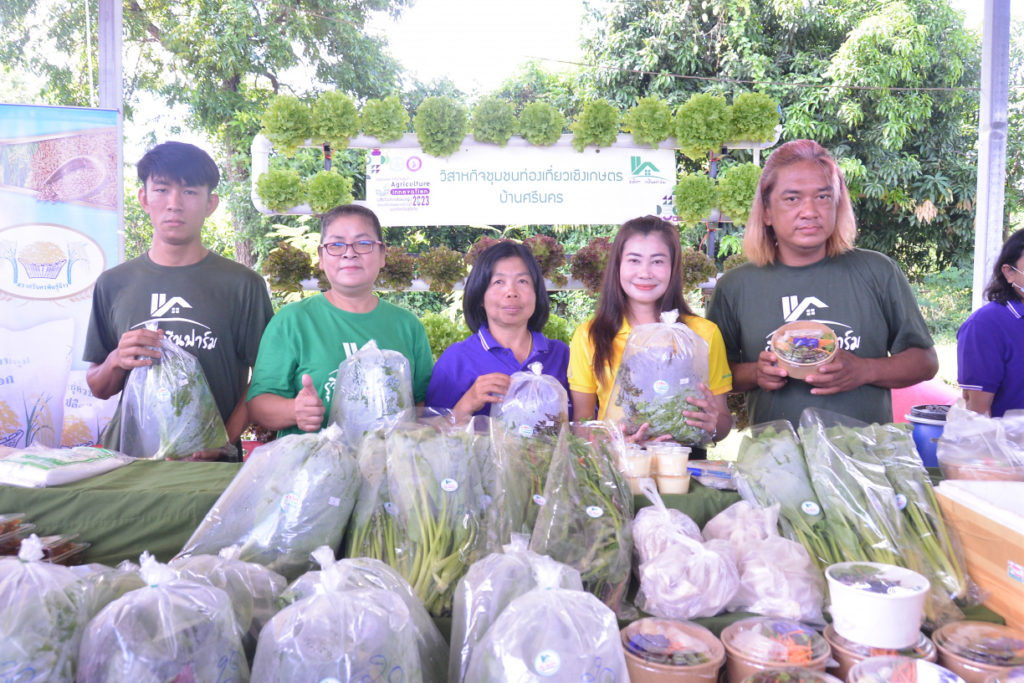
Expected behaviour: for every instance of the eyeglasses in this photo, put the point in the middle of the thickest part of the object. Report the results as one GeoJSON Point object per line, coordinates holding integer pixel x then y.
{"type": "Point", "coordinates": [360, 247]}
{"type": "Point", "coordinates": [1015, 270]}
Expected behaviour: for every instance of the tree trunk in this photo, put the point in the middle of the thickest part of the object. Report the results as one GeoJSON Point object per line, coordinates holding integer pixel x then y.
{"type": "Point", "coordinates": [238, 176]}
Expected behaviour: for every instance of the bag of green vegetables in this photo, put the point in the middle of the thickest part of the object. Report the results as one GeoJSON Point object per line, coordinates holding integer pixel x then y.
{"type": "Point", "coordinates": [489, 586]}
{"type": "Point", "coordinates": [587, 514]}
{"type": "Point", "coordinates": [291, 496]}
{"type": "Point", "coordinates": [341, 633]}
{"type": "Point", "coordinates": [171, 629]}
{"type": "Point", "coordinates": [550, 633]}
{"type": "Point", "coordinates": [662, 365]}
{"type": "Point", "coordinates": [167, 409]}
{"type": "Point", "coordinates": [366, 572]}
{"type": "Point", "coordinates": [373, 390]}
{"type": "Point", "coordinates": [45, 611]}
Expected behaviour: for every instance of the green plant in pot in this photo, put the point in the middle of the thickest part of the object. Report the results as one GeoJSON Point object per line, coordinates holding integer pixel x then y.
{"type": "Point", "coordinates": [335, 119]}
{"type": "Point", "coordinates": [598, 124]}
{"type": "Point", "coordinates": [328, 189]}
{"type": "Point", "coordinates": [753, 117]}
{"type": "Point", "coordinates": [494, 121]}
{"type": "Point", "coordinates": [541, 124]}
{"type": "Point", "coordinates": [589, 263]}
{"type": "Point", "coordinates": [386, 119]}
{"type": "Point", "coordinates": [398, 271]}
{"type": "Point", "coordinates": [550, 255]}
{"type": "Point", "coordinates": [286, 266]}
{"type": "Point", "coordinates": [441, 124]}
{"type": "Point", "coordinates": [736, 188]}
{"type": "Point", "coordinates": [650, 121]}
{"type": "Point", "coordinates": [695, 196]}
{"type": "Point", "coordinates": [281, 189]}
{"type": "Point", "coordinates": [287, 123]}
{"type": "Point", "coordinates": [696, 268]}
{"type": "Point", "coordinates": [441, 267]}
{"type": "Point", "coordinates": [703, 125]}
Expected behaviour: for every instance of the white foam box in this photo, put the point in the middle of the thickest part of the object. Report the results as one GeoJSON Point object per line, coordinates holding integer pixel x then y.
{"type": "Point", "coordinates": [988, 517]}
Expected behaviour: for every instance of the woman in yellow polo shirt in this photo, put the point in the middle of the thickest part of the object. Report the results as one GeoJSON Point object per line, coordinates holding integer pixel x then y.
{"type": "Point", "coordinates": [642, 280]}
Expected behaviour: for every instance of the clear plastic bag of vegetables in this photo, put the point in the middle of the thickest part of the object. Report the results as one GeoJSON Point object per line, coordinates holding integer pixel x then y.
{"type": "Point", "coordinates": [657, 526]}
{"type": "Point", "coordinates": [587, 515]}
{"type": "Point", "coordinates": [550, 633]}
{"type": "Point", "coordinates": [778, 578]}
{"type": "Point", "coordinates": [373, 390]}
{"type": "Point", "coordinates": [422, 506]}
{"type": "Point", "coordinates": [662, 365]}
{"type": "Point", "coordinates": [252, 588]}
{"type": "Point", "coordinates": [291, 496]}
{"type": "Point", "coordinates": [105, 584]}
{"type": "Point", "coordinates": [974, 446]}
{"type": "Point", "coordinates": [489, 586]}
{"type": "Point", "coordinates": [171, 629]}
{"type": "Point", "coordinates": [45, 611]}
{"type": "Point", "coordinates": [341, 633]}
{"type": "Point", "coordinates": [366, 572]}
{"type": "Point", "coordinates": [524, 431]}
{"type": "Point", "coordinates": [167, 409]}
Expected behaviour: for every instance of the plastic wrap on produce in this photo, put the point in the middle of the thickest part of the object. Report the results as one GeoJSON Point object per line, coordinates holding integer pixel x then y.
{"type": "Point", "coordinates": [171, 629]}
{"type": "Point", "coordinates": [167, 409]}
{"type": "Point", "coordinates": [586, 519]}
{"type": "Point", "coordinates": [489, 586]}
{"type": "Point", "coordinates": [39, 466]}
{"type": "Point", "coordinates": [778, 578]}
{"type": "Point", "coordinates": [975, 446]}
{"type": "Point", "coordinates": [293, 495]}
{"type": "Point", "coordinates": [551, 633]}
{"type": "Point", "coordinates": [373, 390]}
{"type": "Point", "coordinates": [662, 365]}
{"type": "Point", "coordinates": [656, 527]}
{"type": "Point", "coordinates": [45, 611]}
{"type": "Point", "coordinates": [743, 525]}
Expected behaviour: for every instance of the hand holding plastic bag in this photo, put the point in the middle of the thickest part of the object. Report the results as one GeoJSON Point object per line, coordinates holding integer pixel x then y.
{"type": "Point", "coordinates": [662, 365]}
{"type": "Point", "coordinates": [172, 629]}
{"type": "Point", "coordinates": [534, 404]}
{"type": "Point", "coordinates": [373, 390]}
{"type": "Point", "coordinates": [167, 409]}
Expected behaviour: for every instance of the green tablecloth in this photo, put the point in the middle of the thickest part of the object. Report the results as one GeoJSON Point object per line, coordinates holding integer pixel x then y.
{"type": "Point", "coordinates": [146, 505]}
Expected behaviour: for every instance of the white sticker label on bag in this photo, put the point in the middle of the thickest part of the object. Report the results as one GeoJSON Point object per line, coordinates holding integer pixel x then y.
{"type": "Point", "coordinates": [595, 511]}
{"type": "Point", "coordinates": [163, 394]}
{"type": "Point", "coordinates": [901, 501]}
{"type": "Point", "coordinates": [449, 484]}
{"type": "Point", "coordinates": [334, 501]}
{"type": "Point", "coordinates": [547, 663]}
{"type": "Point", "coordinates": [291, 501]}
{"type": "Point", "coordinates": [810, 507]}
{"type": "Point", "coordinates": [389, 508]}
{"type": "Point", "coordinates": [525, 430]}
{"type": "Point", "coordinates": [539, 499]}
{"type": "Point", "coordinates": [661, 387]}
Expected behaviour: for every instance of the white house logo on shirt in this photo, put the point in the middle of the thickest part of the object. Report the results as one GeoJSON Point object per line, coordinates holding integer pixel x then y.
{"type": "Point", "coordinates": [160, 305]}
{"type": "Point", "coordinates": [794, 309]}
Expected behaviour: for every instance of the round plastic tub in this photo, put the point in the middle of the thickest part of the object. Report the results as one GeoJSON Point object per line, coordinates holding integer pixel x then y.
{"type": "Point", "coordinates": [803, 346]}
{"type": "Point", "coordinates": [1015, 675]}
{"type": "Point", "coordinates": [848, 653]}
{"type": "Point", "coordinates": [976, 649]}
{"type": "Point", "coordinates": [896, 669]}
{"type": "Point", "coordinates": [670, 650]}
{"type": "Point", "coordinates": [875, 604]}
{"type": "Point", "coordinates": [791, 676]}
{"type": "Point", "coordinates": [760, 643]}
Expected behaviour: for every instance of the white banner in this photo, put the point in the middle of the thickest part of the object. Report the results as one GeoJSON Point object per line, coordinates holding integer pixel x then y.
{"type": "Point", "coordinates": [485, 185]}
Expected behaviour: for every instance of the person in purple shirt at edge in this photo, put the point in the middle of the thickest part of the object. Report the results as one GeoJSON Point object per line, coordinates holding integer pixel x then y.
{"type": "Point", "coordinates": [990, 344]}
{"type": "Point", "coordinates": [506, 307]}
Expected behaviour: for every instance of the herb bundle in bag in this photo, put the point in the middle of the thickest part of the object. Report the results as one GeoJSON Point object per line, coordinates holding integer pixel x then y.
{"type": "Point", "coordinates": [373, 390]}
{"type": "Point", "coordinates": [534, 404]}
{"type": "Point", "coordinates": [293, 495]}
{"type": "Point", "coordinates": [167, 409]}
{"type": "Point", "coordinates": [172, 629]}
{"type": "Point", "coordinates": [586, 518]}
{"type": "Point", "coordinates": [662, 365]}
{"type": "Point", "coordinates": [366, 572]}
{"type": "Point", "coordinates": [489, 586]}
{"type": "Point", "coordinates": [354, 620]}
{"type": "Point", "coordinates": [45, 611]}
{"type": "Point", "coordinates": [550, 633]}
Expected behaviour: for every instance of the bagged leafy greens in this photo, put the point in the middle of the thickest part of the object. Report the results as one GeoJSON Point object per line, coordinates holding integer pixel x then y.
{"type": "Point", "coordinates": [341, 633]}
{"type": "Point", "coordinates": [422, 506]}
{"type": "Point", "coordinates": [550, 633]}
{"type": "Point", "coordinates": [105, 584]}
{"type": "Point", "coordinates": [373, 390]}
{"type": "Point", "coordinates": [662, 365]}
{"type": "Point", "coordinates": [171, 629]}
{"type": "Point", "coordinates": [167, 410]}
{"type": "Point", "coordinates": [489, 586]}
{"type": "Point", "coordinates": [45, 611]}
{"type": "Point", "coordinates": [524, 430]}
{"type": "Point", "coordinates": [252, 588]}
{"type": "Point", "coordinates": [365, 572]}
{"type": "Point", "coordinates": [291, 496]}
{"type": "Point", "coordinates": [586, 518]}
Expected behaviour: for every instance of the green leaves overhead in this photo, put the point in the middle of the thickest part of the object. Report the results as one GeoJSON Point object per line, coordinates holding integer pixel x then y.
{"type": "Point", "coordinates": [281, 189]}
{"type": "Point", "coordinates": [441, 124]}
{"type": "Point", "coordinates": [386, 119]}
{"type": "Point", "coordinates": [702, 125]}
{"type": "Point", "coordinates": [287, 123]}
{"type": "Point", "coordinates": [598, 124]}
{"type": "Point", "coordinates": [335, 119]}
{"type": "Point", "coordinates": [541, 124]}
{"type": "Point", "coordinates": [494, 121]}
{"type": "Point", "coordinates": [695, 196]}
{"type": "Point", "coordinates": [650, 121]}
{"type": "Point", "coordinates": [328, 189]}
{"type": "Point", "coordinates": [736, 188]}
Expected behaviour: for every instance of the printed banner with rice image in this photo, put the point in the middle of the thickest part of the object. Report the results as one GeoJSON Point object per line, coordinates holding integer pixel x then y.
{"type": "Point", "coordinates": [60, 188]}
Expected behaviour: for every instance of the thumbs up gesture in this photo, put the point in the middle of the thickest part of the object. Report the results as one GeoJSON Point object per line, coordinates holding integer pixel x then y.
{"type": "Point", "coordinates": [309, 409]}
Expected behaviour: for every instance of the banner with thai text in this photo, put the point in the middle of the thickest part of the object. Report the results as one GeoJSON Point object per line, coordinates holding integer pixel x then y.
{"type": "Point", "coordinates": [481, 185]}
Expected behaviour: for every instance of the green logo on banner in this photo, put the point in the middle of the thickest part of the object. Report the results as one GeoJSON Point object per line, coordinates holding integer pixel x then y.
{"type": "Point", "coordinates": [643, 169]}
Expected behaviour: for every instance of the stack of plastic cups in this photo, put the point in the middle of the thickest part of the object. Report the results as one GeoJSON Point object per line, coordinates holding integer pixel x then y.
{"type": "Point", "coordinates": [670, 462]}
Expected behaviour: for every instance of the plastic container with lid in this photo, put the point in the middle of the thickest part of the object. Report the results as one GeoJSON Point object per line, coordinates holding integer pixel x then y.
{"type": "Point", "coordinates": [670, 458]}
{"type": "Point", "coordinates": [1014, 675]}
{"type": "Point", "coordinates": [10, 541]}
{"type": "Point", "coordinates": [63, 549]}
{"type": "Point", "coordinates": [672, 484]}
{"type": "Point", "coordinates": [671, 650]}
{"type": "Point", "coordinates": [798, 675]}
{"type": "Point", "coordinates": [976, 649]}
{"type": "Point", "coordinates": [848, 653]}
{"type": "Point", "coordinates": [929, 421]}
{"type": "Point", "coordinates": [759, 643]}
{"type": "Point", "coordinates": [636, 462]}
{"type": "Point", "coordinates": [876, 604]}
{"type": "Point", "coordinates": [803, 346]}
{"type": "Point", "coordinates": [897, 669]}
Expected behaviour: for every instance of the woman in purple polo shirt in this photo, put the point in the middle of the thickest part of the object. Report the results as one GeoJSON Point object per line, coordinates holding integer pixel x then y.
{"type": "Point", "coordinates": [506, 307]}
{"type": "Point", "coordinates": [990, 344]}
